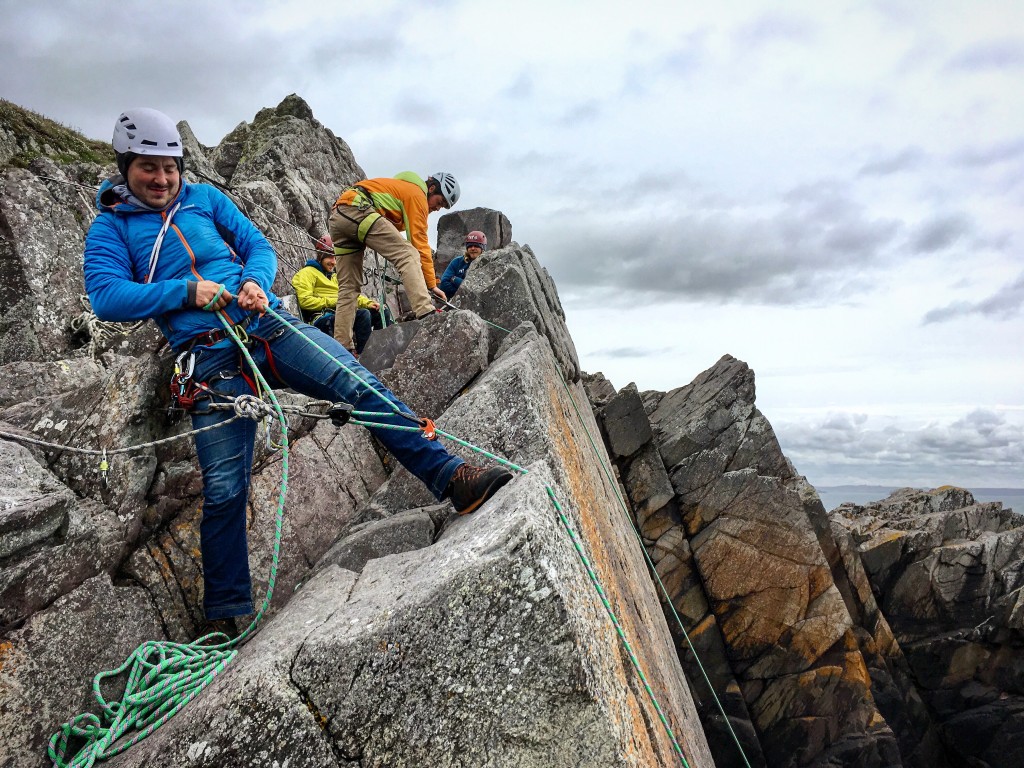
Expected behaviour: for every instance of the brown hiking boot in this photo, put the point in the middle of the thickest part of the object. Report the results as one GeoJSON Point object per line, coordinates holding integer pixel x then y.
{"type": "Point", "coordinates": [472, 486]}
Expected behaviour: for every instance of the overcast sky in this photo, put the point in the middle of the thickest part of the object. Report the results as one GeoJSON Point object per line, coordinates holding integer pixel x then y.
{"type": "Point", "coordinates": [832, 192]}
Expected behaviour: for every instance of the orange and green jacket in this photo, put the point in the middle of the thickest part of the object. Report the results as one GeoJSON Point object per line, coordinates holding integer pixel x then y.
{"type": "Point", "coordinates": [402, 201]}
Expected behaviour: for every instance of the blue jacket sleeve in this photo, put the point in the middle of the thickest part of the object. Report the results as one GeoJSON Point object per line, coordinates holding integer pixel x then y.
{"type": "Point", "coordinates": [258, 255]}
{"type": "Point", "coordinates": [453, 267]}
{"type": "Point", "coordinates": [108, 279]}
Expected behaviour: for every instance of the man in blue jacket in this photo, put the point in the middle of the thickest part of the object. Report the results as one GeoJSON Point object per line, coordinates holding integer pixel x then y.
{"type": "Point", "coordinates": [179, 253]}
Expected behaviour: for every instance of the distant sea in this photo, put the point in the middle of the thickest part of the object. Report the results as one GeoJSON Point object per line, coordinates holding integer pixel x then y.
{"type": "Point", "coordinates": [833, 496]}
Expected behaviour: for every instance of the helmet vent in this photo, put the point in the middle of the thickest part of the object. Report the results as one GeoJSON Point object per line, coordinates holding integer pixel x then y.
{"type": "Point", "coordinates": [148, 143]}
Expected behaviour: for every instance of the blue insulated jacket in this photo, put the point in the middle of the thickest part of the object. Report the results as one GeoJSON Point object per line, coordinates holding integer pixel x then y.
{"type": "Point", "coordinates": [454, 275]}
{"type": "Point", "coordinates": [120, 243]}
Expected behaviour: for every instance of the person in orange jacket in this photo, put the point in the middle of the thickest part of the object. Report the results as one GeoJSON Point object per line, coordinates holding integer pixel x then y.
{"type": "Point", "coordinates": [372, 214]}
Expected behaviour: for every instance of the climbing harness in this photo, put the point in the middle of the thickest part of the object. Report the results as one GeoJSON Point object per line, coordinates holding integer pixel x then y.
{"type": "Point", "coordinates": [362, 201]}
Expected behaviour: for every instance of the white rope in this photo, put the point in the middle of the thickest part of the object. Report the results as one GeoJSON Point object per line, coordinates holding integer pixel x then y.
{"type": "Point", "coordinates": [99, 331]}
{"type": "Point", "coordinates": [154, 255]}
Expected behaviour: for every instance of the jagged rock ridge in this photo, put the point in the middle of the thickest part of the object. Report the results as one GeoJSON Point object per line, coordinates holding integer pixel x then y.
{"type": "Point", "coordinates": [399, 636]}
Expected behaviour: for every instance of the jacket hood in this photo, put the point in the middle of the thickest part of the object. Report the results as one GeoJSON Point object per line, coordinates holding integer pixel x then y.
{"type": "Point", "coordinates": [316, 263]}
{"type": "Point", "coordinates": [412, 178]}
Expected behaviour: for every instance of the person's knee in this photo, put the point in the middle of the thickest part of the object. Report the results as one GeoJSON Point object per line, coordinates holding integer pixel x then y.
{"type": "Point", "coordinates": [224, 480]}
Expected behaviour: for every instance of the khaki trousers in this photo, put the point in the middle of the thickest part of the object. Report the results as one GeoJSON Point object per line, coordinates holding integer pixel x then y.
{"type": "Point", "coordinates": [385, 240]}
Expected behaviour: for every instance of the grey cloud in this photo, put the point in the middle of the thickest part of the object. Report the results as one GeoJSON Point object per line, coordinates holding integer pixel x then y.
{"type": "Point", "coordinates": [995, 153]}
{"type": "Point", "coordinates": [980, 448]}
{"type": "Point", "coordinates": [991, 54]}
{"type": "Point", "coordinates": [195, 64]}
{"type": "Point", "coordinates": [940, 232]}
{"type": "Point", "coordinates": [423, 154]}
{"type": "Point", "coordinates": [582, 113]}
{"type": "Point", "coordinates": [418, 112]}
{"type": "Point", "coordinates": [1004, 304]}
{"type": "Point", "coordinates": [532, 159]}
{"type": "Point", "coordinates": [521, 88]}
{"type": "Point", "coordinates": [656, 183]}
{"type": "Point", "coordinates": [631, 352]}
{"type": "Point", "coordinates": [803, 254]}
{"type": "Point", "coordinates": [774, 27]}
{"type": "Point", "coordinates": [683, 59]}
{"type": "Point", "coordinates": [908, 159]}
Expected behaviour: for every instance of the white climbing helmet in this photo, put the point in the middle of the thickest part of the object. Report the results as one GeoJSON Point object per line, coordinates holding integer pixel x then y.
{"type": "Point", "coordinates": [144, 131]}
{"type": "Point", "coordinates": [447, 186]}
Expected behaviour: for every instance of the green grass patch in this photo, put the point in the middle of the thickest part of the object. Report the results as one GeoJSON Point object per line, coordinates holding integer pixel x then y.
{"type": "Point", "coordinates": [38, 136]}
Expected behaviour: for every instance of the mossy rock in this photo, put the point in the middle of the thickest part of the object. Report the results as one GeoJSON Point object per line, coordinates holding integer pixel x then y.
{"type": "Point", "coordinates": [26, 135]}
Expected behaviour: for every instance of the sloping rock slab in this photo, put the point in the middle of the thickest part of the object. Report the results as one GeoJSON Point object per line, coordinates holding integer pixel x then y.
{"type": "Point", "coordinates": [521, 409]}
{"type": "Point", "coordinates": [489, 648]}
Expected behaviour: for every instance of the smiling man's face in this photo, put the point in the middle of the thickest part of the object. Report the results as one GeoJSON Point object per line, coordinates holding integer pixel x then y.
{"type": "Point", "coordinates": [155, 180]}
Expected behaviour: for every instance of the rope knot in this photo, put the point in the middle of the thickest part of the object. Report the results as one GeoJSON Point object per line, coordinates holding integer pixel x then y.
{"type": "Point", "coordinates": [251, 407]}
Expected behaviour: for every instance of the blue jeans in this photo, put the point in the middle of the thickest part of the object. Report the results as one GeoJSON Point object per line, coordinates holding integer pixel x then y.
{"type": "Point", "coordinates": [226, 454]}
{"type": "Point", "coordinates": [361, 329]}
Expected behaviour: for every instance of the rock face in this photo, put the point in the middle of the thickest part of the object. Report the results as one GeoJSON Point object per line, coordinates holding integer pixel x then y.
{"type": "Point", "coordinates": [527, 634]}
{"type": "Point", "coordinates": [506, 287]}
{"type": "Point", "coordinates": [453, 227]}
{"type": "Point", "coordinates": [947, 573]}
{"type": "Point", "coordinates": [487, 646]}
{"type": "Point", "coordinates": [720, 510]}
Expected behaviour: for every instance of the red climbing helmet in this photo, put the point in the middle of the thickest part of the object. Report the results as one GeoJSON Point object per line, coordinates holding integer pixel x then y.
{"type": "Point", "coordinates": [325, 244]}
{"type": "Point", "coordinates": [476, 237]}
